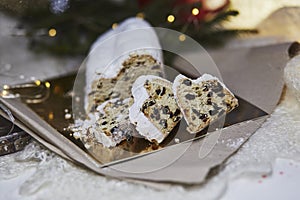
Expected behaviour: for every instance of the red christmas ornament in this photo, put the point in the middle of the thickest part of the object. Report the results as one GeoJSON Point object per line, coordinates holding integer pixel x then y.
{"type": "Point", "coordinates": [207, 8]}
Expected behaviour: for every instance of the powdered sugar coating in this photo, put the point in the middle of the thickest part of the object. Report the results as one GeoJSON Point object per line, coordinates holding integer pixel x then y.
{"type": "Point", "coordinates": [143, 125]}
{"type": "Point", "coordinates": [133, 36]}
{"type": "Point", "coordinates": [204, 77]}
{"type": "Point", "coordinates": [150, 126]}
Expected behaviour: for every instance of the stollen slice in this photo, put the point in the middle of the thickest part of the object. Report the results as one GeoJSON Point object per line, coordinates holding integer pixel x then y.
{"type": "Point", "coordinates": [203, 100]}
{"type": "Point", "coordinates": [110, 125]}
{"type": "Point", "coordinates": [154, 111]}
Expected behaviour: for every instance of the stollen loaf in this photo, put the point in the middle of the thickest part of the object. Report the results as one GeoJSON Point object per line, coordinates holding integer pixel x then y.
{"type": "Point", "coordinates": [118, 58]}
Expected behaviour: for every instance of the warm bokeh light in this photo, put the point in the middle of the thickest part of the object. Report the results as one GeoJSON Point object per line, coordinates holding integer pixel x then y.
{"type": "Point", "coordinates": [38, 82]}
{"type": "Point", "coordinates": [47, 84]}
{"type": "Point", "coordinates": [52, 32]}
{"type": "Point", "coordinates": [249, 17]}
{"type": "Point", "coordinates": [182, 37]}
{"type": "Point", "coordinates": [140, 15]}
{"type": "Point", "coordinates": [4, 93]}
{"type": "Point", "coordinates": [171, 18]}
{"type": "Point", "coordinates": [50, 116]}
{"type": "Point", "coordinates": [195, 11]}
{"type": "Point", "coordinates": [115, 25]}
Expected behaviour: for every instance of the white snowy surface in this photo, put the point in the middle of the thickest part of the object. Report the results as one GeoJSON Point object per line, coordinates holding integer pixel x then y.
{"type": "Point", "coordinates": [37, 173]}
{"type": "Point", "coordinates": [282, 184]}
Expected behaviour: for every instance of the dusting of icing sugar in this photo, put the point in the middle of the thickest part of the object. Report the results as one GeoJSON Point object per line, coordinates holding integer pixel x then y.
{"type": "Point", "coordinates": [235, 143]}
{"type": "Point", "coordinates": [132, 36]}
{"type": "Point", "coordinates": [204, 77]}
{"type": "Point", "coordinates": [140, 94]}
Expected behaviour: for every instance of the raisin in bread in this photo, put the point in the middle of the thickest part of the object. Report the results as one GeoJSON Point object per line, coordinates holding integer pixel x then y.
{"type": "Point", "coordinates": [118, 58]}
{"type": "Point", "coordinates": [154, 111]}
{"type": "Point", "coordinates": [110, 125]}
{"type": "Point", "coordinates": [203, 100]}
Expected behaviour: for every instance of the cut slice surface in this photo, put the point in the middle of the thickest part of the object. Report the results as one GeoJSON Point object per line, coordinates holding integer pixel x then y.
{"type": "Point", "coordinates": [154, 112]}
{"type": "Point", "coordinates": [203, 100]}
{"type": "Point", "coordinates": [119, 85]}
{"type": "Point", "coordinates": [110, 124]}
